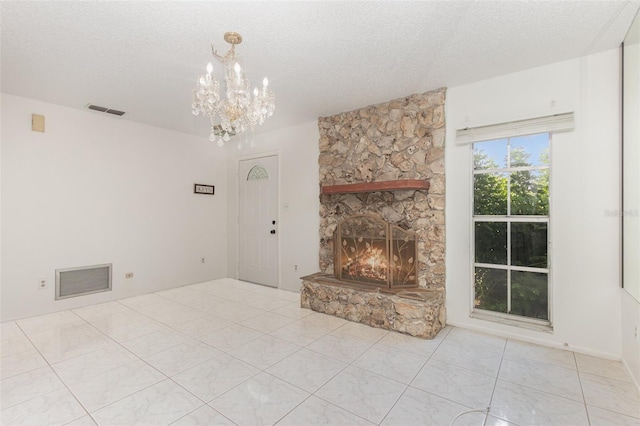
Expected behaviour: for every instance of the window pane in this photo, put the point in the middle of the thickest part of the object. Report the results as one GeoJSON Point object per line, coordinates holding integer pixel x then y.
{"type": "Point", "coordinates": [530, 192]}
{"type": "Point", "coordinates": [532, 150]}
{"type": "Point", "coordinates": [490, 194]}
{"type": "Point", "coordinates": [529, 244]}
{"type": "Point", "coordinates": [491, 242]}
{"type": "Point", "coordinates": [529, 294]}
{"type": "Point", "coordinates": [490, 155]}
{"type": "Point", "coordinates": [491, 289]}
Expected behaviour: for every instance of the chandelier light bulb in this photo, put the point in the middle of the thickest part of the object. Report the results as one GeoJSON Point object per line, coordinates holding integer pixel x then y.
{"type": "Point", "coordinates": [265, 82]}
{"type": "Point", "coordinates": [209, 68]}
{"type": "Point", "coordinates": [238, 70]}
{"type": "Point", "coordinates": [255, 92]}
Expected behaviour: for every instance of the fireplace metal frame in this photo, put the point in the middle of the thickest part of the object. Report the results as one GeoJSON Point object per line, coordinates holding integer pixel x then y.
{"type": "Point", "coordinates": [389, 228]}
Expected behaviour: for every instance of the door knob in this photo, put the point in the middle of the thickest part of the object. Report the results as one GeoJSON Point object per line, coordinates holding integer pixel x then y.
{"type": "Point", "coordinates": [273, 231]}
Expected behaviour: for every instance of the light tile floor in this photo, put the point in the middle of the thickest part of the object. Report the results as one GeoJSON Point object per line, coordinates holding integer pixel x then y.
{"type": "Point", "coordinates": [227, 352]}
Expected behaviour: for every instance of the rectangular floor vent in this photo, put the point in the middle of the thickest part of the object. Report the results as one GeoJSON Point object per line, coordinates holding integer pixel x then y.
{"type": "Point", "coordinates": [71, 282]}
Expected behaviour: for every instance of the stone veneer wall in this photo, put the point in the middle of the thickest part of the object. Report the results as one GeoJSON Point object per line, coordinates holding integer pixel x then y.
{"type": "Point", "coordinates": [400, 139]}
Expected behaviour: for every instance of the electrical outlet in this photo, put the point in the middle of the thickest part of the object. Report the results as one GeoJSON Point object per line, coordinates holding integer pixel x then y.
{"type": "Point", "coordinates": [42, 283]}
{"type": "Point", "coordinates": [128, 275]}
{"type": "Point", "coordinates": [202, 261]}
{"type": "Point", "coordinates": [295, 268]}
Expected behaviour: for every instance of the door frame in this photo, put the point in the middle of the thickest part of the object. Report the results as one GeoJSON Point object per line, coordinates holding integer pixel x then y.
{"type": "Point", "coordinates": [256, 156]}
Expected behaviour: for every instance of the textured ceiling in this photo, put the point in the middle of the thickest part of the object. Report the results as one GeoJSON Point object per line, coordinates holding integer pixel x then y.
{"type": "Point", "coordinates": [321, 58]}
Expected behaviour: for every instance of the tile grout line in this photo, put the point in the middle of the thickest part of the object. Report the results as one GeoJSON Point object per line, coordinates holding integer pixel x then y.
{"type": "Point", "coordinates": [448, 399]}
{"type": "Point", "coordinates": [278, 378]}
{"type": "Point", "coordinates": [584, 399]}
{"type": "Point", "coordinates": [414, 377]}
{"type": "Point", "coordinates": [495, 385]}
{"type": "Point", "coordinates": [65, 386]}
{"type": "Point", "coordinates": [206, 403]}
{"type": "Point", "coordinates": [372, 343]}
{"type": "Point", "coordinates": [310, 394]}
{"type": "Point", "coordinates": [138, 358]}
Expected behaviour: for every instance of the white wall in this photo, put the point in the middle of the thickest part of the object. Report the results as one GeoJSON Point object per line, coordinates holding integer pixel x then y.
{"type": "Point", "coordinates": [97, 189]}
{"type": "Point", "coordinates": [584, 185]}
{"type": "Point", "coordinates": [297, 149]}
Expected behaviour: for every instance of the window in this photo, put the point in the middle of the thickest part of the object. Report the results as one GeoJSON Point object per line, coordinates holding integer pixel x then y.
{"type": "Point", "coordinates": [511, 226]}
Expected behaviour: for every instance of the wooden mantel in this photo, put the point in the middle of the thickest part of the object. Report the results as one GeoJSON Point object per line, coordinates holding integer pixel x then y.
{"type": "Point", "coordinates": [390, 185]}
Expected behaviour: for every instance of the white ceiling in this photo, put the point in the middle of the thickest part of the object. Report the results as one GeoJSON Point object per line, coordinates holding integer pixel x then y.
{"type": "Point", "coordinates": [321, 58]}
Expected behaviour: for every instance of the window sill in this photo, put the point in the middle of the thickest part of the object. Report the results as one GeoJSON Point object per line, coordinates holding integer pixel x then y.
{"type": "Point", "coordinates": [528, 323]}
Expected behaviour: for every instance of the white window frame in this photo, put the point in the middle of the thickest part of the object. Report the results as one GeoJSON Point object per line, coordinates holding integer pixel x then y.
{"type": "Point", "coordinates": [507, 318]}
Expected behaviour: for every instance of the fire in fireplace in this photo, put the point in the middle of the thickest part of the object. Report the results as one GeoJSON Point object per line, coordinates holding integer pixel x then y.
{"type": "Point", "coordinates": [371, 251]}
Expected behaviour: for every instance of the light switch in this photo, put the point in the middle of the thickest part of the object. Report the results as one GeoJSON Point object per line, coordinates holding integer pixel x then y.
{"type": "Point", "coordinates": [37, 123]}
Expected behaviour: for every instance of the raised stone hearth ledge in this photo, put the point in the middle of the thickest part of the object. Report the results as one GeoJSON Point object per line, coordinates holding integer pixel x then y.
{"type": "Point", "coordinates": [416, 311]}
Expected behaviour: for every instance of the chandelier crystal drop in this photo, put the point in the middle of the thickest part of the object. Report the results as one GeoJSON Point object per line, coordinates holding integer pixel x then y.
{"type": "Point", "coordinates": [241, 109]}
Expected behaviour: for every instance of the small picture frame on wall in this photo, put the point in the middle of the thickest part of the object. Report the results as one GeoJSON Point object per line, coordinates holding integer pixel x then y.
{"type": "Point", "coordinates": [199, 188]}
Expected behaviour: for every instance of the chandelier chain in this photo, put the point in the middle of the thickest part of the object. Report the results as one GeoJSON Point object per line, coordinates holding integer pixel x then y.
{"type": "Point", "coordinates": [230, 55]}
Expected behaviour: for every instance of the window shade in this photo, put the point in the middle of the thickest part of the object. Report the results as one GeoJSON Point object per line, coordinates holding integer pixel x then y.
{"type": "Point", "coordinates": [548, 124]}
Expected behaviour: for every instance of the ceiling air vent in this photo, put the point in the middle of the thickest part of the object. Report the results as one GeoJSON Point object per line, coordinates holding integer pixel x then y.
{"type": "Point", "coordinates": [105, 110]}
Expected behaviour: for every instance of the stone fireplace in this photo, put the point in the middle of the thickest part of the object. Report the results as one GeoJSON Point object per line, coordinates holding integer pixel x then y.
{"type": "Point", "coordinates": [382, 216]}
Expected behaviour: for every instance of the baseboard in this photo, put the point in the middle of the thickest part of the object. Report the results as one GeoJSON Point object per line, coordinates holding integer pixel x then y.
{"type": "Point", "coordinates": [542, 342]}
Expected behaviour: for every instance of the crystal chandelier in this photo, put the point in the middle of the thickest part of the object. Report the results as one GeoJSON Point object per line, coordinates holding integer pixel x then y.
{"type": "Point", "coordinates": [240, 110]}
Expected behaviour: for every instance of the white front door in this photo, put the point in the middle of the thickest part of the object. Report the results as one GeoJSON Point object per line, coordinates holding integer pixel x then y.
{"type": "Point", "coordinates": [257, 224]}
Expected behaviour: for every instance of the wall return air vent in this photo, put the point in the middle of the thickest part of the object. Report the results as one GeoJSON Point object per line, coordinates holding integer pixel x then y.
{"type": "Point", "coordinates": [71, 282]}
{"type": "Point", "coordinates": [105, 110]}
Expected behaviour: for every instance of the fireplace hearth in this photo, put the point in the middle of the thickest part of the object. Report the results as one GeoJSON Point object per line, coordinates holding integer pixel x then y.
{"type": "Point", "coordinates": [418, 312]}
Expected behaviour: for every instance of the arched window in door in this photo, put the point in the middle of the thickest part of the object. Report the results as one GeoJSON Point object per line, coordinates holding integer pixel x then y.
{"type": "Point", "coordinates": [257, 172]}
